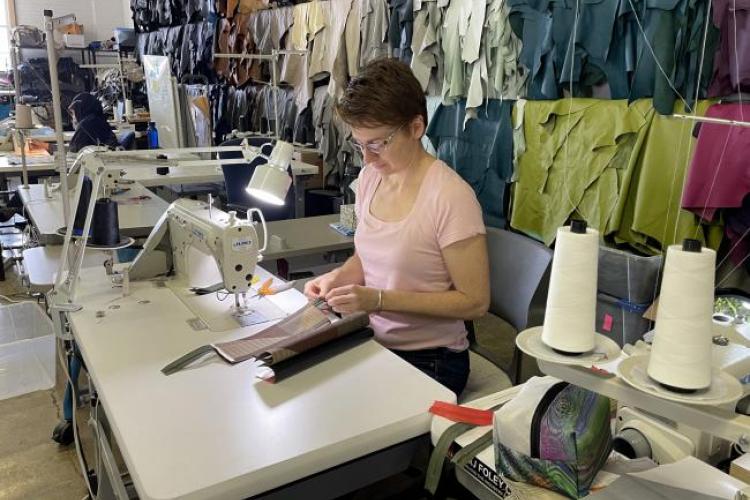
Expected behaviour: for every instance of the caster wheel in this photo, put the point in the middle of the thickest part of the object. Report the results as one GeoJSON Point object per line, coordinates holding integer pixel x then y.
{"type": "Point", "coordinates": [63, 433]}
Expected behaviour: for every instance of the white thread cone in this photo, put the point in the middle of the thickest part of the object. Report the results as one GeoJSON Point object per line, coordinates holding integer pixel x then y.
{"type": "Point", "coordinates": [681, 352]}
{"type": "Point", "coordinates": [570, 317]}
{"type": "Point", "coordinates": [23, 116]}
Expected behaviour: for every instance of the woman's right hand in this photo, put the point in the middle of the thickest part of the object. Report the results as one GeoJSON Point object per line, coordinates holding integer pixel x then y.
{"type": "Point", "coordinates": [319, 287]}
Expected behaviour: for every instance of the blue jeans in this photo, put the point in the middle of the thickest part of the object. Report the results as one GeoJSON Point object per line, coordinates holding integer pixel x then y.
{"type": "Point", "coordinates": [450, 368]}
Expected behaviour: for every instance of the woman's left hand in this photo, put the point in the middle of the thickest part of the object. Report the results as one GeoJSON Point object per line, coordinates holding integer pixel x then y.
{"type": "Point", "coordinates": [352, 298]}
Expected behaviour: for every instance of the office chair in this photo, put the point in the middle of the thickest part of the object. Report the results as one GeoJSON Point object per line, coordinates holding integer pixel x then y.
{"type": "Point", "coordinates": [127, 140]}
{"type": "Point", "coordinates": [237, 177]}
{"type": "Point", "coordinates": [518, 265]}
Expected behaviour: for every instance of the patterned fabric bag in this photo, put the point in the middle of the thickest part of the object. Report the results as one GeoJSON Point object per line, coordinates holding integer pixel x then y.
{"type": "Point", "coordinates": [554, 435]}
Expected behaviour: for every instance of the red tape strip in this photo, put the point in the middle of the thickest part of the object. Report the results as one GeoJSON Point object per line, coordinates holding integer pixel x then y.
{"type": "Point", "coordinates": [458, 413]}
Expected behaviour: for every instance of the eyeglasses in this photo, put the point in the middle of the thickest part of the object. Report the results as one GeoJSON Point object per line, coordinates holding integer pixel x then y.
{"type": "Point", "coordinates": [378, 146]}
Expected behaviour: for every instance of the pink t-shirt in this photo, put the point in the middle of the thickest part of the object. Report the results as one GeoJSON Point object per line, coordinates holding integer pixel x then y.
{"type": "Point", "coordinates": [407, 255]}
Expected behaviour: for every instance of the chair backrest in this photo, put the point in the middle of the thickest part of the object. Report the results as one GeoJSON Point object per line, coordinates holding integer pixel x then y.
{"type": "Point", "coordinates": [517, 265]}
{"type": "Point", "coordinates": [236, 178]}
{"type": "Point", "coordinates": [126, 140]}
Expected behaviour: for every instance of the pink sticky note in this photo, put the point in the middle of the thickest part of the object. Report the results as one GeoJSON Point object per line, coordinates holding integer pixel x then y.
{"type": "Point", "coordinates": [607, 322]}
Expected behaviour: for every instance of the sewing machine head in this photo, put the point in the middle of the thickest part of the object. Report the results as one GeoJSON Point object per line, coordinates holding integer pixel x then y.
{"type": "Point", "coordinates": [194, 225]}
{"type": "Point", "coordinates": [231, 241]}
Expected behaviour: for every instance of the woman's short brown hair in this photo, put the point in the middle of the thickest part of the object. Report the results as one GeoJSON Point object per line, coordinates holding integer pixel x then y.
{"type": "Point", "coordinates": [385, 92]}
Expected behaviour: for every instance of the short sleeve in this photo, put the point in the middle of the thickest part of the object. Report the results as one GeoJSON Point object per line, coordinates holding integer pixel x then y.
{"type": "Point", "coordinates": [357, 198]}
{"type": "Point", "coordinates": [459, 215]}
{"type": "Point", "coordinates": [363, 183]}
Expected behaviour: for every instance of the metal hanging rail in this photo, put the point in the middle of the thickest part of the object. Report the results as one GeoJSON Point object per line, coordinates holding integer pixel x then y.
{"type": "Point", "coordinates": [274, 58]}
{"type": "Point", "coordinates": [708, 119]}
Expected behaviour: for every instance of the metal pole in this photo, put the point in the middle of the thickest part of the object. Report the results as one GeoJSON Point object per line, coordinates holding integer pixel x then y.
{"type": "Point", "coordinates": [260, 57]}
{"type": "Point", "coordinates": [122, 83]}
{"type": "Point", "coordinates": [14, 62]}
{"type": "Point", "coordinates": [76, 271]}
{"type": "Point", "coordinates": [57, 108]}
{"type": "Point", "coordinates": [65, 264]}
{"type": "Point", "coordinates": [99, 66]}
{"type": "Point", "coordinates": [708, 119]}
{"type": "Point", "coordinates": [17, 100]}
{"type": "Point", "coordinates": [24, 167]}
{"type": "Point", "coordinates": [275, 85]}
{"type": "Point", "coordinates": [153, 153]}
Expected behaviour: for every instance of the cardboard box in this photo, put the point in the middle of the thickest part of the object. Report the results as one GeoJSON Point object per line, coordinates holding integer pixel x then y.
{"type": "Point", "coordinates": [70, 29]}
{"type": "Point", "coordinates": [312, 158]}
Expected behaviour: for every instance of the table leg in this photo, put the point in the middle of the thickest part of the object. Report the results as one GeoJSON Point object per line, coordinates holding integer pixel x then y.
{"type": "Point", "coordinates": [353, 475]}
{"type": "Point", "coordinates": [298, 182]}
{"type": "Point", "coordinates": [2, 264]}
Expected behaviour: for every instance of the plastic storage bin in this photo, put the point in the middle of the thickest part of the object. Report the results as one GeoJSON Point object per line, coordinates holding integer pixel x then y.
{"type": "Point", "coordinates": [27, 350]}
{"type": "Point", "coordinates": [620, 320]}
{"type": "Point", "coordinates": [628, 276]}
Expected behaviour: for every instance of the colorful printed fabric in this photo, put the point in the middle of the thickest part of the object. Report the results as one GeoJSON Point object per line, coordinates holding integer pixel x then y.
{"type": "Point", "coordinates": [574, 442]}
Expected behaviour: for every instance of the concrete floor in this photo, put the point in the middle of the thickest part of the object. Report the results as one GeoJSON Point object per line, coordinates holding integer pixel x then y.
{"type": "Point", "coordinates": [32, 466]}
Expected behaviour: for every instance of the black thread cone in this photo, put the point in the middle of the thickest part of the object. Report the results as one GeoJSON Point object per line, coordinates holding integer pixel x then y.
{"type": "Point", "coordinates": [106, 226]}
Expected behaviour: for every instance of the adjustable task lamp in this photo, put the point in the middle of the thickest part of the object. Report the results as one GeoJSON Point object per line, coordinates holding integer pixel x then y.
{"type": "Point", "coordinates": [270, 181]}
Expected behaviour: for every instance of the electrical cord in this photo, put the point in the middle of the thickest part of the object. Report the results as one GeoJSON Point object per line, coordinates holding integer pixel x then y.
{"type": "Point", "coordinates": [8, 299]}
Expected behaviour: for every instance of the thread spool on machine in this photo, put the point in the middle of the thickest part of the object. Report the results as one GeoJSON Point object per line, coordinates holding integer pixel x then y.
{"type": "Point", "coordinates": [568, 335]}
{"type": "Point", "coordinates": [681, 354]}
{"type": "Point", "coordinates": [680, 365]}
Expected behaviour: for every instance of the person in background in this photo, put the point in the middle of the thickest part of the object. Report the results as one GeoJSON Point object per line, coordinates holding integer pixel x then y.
{"type": "Point", "coordinates": [420, 266]}
{"type": "Point", "coordinates": [92, 128]}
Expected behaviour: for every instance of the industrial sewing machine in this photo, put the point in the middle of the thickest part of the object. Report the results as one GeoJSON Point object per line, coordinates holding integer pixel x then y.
{"type": "Point", "coordinates": [232, 242]}
{"type": "Point", "coordinates": [229, 242]}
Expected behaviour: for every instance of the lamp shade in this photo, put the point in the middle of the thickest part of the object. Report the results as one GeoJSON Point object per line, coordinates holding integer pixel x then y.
{"type": "Point", "coordinates": [269, 184]}
{"type": "Point", "coordinates": [270, 181]}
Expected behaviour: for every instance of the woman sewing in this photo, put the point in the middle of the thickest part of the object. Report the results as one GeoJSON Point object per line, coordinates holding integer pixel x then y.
{"type": "Point", "coordinates": [420, 263]}
{"type": "Point", "coordinates": [90, 123]}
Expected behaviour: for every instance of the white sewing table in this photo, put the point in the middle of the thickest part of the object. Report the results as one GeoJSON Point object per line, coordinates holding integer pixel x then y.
{"type": "Point", "coordinates": [36, 166]}
{"type": "Point", "coordinates": [214, 431]}
{"type": "Point", "coordinates": [12, 164]}
{"type": "Point", "coordinates": [136, 217]}
{"type": "Point", "coordinates": [68, 135]}
{"type": "Point", "coordinates": [42, 263]}
{"type": "Point", "coordinates": [306, 236]}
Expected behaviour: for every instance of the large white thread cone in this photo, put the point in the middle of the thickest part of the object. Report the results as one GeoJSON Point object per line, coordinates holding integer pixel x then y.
{"type": "Point", "coordinates": [681, 352]}
{"type": "Point", "coordinates": [570, 317]}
